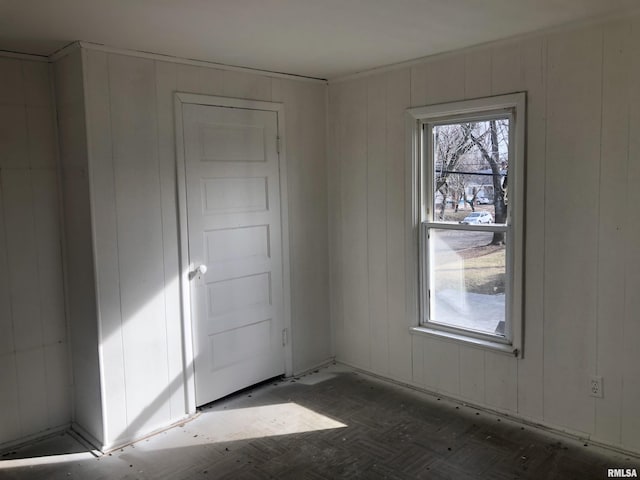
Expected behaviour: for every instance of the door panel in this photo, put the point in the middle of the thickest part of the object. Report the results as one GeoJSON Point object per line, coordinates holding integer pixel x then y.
{"type": "Point", "coordinates": [234, 227]}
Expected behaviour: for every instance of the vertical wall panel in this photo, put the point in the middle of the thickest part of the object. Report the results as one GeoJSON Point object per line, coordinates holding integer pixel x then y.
{"type": "Point", "coordinates": [192, 79]}
{"type": "Point", "coordinates": [478, 70]}
{"type": "Point", "coordinates": [23, 258]}
{"type": "Point", "coordinates": [14, 147]}
{"type": "Point", "coordinates": [102, 180]}
{"type": "Point", "coordinates": [631, 326]}
{"type": "Point", "coordinates": [32, 395]}
{"type": "Point", "coordinates": [41, 139]}
{"type": "Point", "coordinates": [12, 84]}
{"type": "Point", "coordinates": [445, 79]}
{"type": "Point", "coordinates": [398, 100]}
{"type": "Point", "coordinates": [6, 320]}
{"type": "Point", "coordinates": [571, 233]}
{"type": "Point", "coordinates": [506, 68]}
{"type": "Point", "coordinates": [613, 217]}
{"type": "Point", "coordinates": [500, 376]}
{"type": "Point", "coordinates": [334, 205]}
{"type": "Point", "coordinates": [530, 367]}
{"type": "Point", "coordinates": [9, 422]}
{"type": "Point", "coordinates": [441, 366]}
{"type": "Point", "coordinates": [36, 83]}
{"type": "Point", "coordinates": [417, 360]}
{"type": "Point", "coordinates": [59, 404]}
{"type": "Point", "coordinates": [472, 373]}
{"type": "Point", "coordinates": [377, 221]}
{"type": "Point", "coordinates": [419, 85]}
{"type": "Point", "coordinates": [48, 255]}
{"type": "Point", "coordinates": [81, 300]}
{"type": "Point", "coordinates": [140, 248]}
{"type": "Point", "coordinates": [305, 112]}
{"type": "Point", "coordinates": [246, 85]}
{"type": "Point", "coordinates": [166, 85]}
{"type": "Point", "coordinates": [353, 147]}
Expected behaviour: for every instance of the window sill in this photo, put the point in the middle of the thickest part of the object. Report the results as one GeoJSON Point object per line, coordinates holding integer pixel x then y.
{"type": "Point", "coordinates": [466, 340]}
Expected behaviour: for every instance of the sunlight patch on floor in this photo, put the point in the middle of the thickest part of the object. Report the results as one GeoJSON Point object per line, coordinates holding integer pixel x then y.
{"type": "Point", "coordinates": [46, 460]}
{"type": "Point", "coordinates": [264, 421]}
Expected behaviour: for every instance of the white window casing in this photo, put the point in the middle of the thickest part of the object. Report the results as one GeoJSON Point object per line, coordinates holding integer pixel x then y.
{"type": "Point", "coordinates": [421, 219]}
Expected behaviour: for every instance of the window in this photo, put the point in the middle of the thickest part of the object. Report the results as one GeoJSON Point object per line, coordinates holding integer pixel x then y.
{"type": "Point", "coordinates": [467, 199]}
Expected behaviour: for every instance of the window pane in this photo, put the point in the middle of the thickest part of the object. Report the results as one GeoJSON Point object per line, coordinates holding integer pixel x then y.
{"type": "Point", "coordinates": [468, 280]}
{"type": "Point", "coordinates": [471, 161]}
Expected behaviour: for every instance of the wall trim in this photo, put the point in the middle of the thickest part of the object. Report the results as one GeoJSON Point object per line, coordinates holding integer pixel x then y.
{"type": "Point", "coordinates": [307, 370]}
{"type": "Point", "coordinates": [86, 437]}
{"type": "Point", "coordinates": [173, 59]}
{"type": "Point", "coordinates": [24, 56]}
{"type": "Point", "coordinates": [133, 439]}
{"type": "Point", "coordinates": [63, 52]}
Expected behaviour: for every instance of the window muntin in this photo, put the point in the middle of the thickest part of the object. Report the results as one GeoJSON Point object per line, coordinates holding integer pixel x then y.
{"type": "Point", "coordinates": [469, 174]}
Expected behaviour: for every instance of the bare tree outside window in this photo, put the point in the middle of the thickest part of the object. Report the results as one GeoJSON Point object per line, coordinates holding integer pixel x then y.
{"type": "Point", "coordinates": [471, 166]}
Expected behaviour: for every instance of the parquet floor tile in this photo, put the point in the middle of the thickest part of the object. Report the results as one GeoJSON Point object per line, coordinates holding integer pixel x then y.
{"type": "Point", "coordinates": [331, 424]}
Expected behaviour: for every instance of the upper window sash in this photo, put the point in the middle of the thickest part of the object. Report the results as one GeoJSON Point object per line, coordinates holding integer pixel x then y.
{"type": "Point", "coordinates": [427, 165]}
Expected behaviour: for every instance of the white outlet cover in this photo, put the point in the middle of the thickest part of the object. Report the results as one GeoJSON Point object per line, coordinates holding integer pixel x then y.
{"type": "Point", "coordinates": [596, 387]}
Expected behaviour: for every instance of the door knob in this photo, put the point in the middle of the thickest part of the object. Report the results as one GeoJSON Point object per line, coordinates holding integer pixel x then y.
{"type": "Point", "coordinates": [198, 272]}
{"type": "Point", "coordinates": [202, 269]}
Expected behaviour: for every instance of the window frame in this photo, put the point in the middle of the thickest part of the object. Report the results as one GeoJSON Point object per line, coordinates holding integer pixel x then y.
{"type": "Point", "coordinates": [420, 196]}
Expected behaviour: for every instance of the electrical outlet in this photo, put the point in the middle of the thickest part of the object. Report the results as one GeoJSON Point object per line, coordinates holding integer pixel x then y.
{"type": "Point", "coordinates": [595, 387]}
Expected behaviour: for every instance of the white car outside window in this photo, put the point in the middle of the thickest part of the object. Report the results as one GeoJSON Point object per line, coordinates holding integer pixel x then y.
{"type": "Point", "coordinates": [477, 218]}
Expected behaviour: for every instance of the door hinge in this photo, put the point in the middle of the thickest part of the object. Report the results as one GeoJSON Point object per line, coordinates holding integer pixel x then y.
{"type": "Point", "coordinates": [278, 145]}
{"type": "Point", "coordinates": [285, 337]}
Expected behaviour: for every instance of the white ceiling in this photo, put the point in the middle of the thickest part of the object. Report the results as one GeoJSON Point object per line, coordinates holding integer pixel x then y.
{"type": "Point", "coordinates": [317, 38]}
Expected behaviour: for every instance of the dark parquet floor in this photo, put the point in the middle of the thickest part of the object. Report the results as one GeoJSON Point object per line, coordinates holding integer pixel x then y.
{"type": "Point", "coordinates": [385, 432]}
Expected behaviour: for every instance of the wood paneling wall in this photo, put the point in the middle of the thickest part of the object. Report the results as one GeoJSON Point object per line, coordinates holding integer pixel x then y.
{"type": "Point", "coordinates": [79, 258]}
{"type": "Point", "coordinates": [582, 258]}
{"type": "Point", "coordinates": [131, 149]}
{"type": "Point", "coordinates": [34, 369]}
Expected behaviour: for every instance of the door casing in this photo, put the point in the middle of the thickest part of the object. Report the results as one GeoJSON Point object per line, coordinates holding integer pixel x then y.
{"type": "Point", "coordinates": [180, 99]}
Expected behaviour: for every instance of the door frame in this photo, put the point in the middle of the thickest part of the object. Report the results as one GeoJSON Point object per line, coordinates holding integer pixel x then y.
{"type": "Point", "coordinates": [181, 99]}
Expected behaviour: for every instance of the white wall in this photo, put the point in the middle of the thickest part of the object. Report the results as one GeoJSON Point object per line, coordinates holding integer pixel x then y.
{"type": "Point", "coordinates": [34, 372]}
{"type": "Point", "coordinates": [81, 292]}
{"type": "Point", "coordinates": [131, 165]}
{"type": "Point", "coordinates": [582, 228]}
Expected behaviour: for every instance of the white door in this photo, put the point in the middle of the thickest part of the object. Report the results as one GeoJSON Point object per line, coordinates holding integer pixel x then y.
{"type": "Point", "coordinates": [234, 229]}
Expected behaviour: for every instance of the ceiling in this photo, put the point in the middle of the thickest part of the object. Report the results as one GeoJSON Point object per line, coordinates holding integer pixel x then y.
{"type": "Point", "coordinates": [316, 38]}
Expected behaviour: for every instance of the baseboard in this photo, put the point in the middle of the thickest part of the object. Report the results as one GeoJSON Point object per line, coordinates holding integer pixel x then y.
{"type": "Point", "coordinates": [322, 364]}
{"type": "Point", "coordinates": [88, 440]}
{"type": "Point", "coordinates": [123, 442]}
